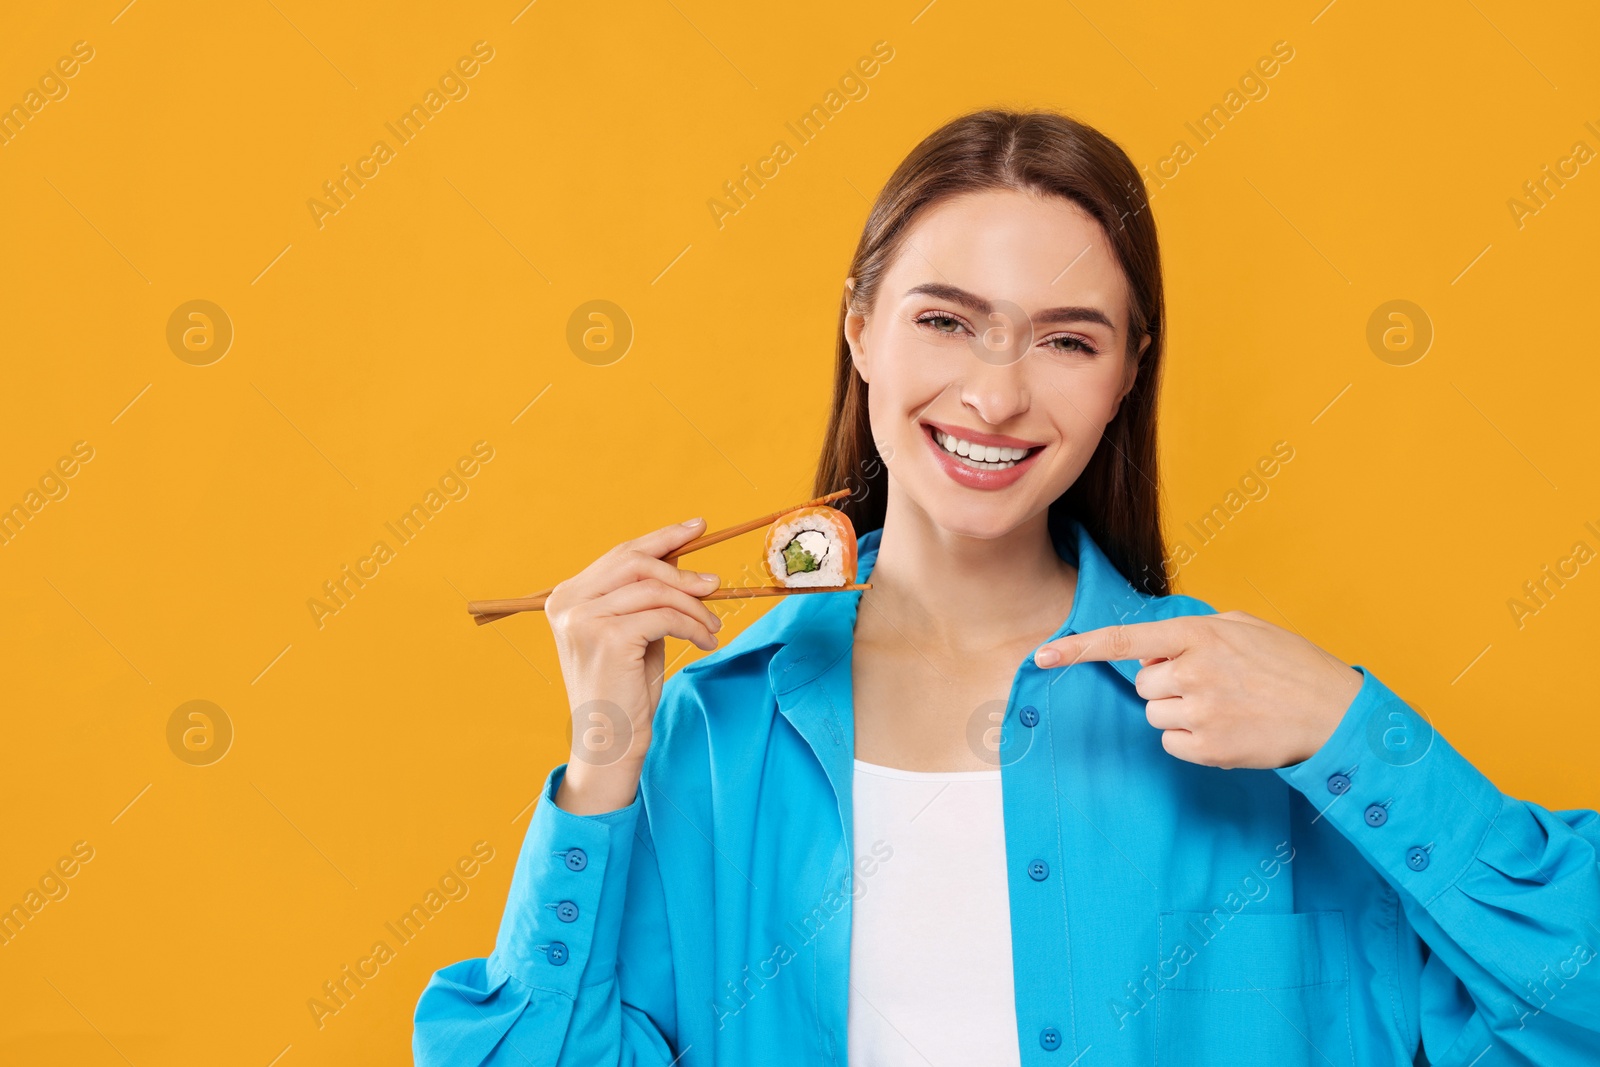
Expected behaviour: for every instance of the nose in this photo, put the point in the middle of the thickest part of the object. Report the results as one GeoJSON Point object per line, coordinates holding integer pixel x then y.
{"type": "Point", "coordinates": [996, 391]}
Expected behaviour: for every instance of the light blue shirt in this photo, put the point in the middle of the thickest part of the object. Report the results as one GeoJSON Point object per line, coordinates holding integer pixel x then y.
{"type": "Point", "coordinates": [1381, 899]}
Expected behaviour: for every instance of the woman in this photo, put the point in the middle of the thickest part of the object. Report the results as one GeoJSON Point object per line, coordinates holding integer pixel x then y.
{"type": "Point", "coordinates": [1027, 806]}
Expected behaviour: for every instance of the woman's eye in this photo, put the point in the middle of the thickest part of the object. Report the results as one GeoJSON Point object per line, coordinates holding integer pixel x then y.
{"type": "Point", "coordinates": [1068, 343]}
{"type": "Point", "coordinates": [941, 323]}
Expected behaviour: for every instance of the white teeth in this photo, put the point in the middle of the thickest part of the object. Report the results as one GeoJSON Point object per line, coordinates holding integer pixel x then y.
{"type": "Point", "coordinates": [980, 457]}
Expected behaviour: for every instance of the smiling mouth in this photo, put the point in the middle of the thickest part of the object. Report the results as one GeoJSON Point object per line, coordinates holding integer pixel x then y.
{"type": "Point", "coordinates": [978, 457]}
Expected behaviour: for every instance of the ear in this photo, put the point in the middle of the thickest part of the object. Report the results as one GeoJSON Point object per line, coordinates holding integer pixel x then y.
{"type": "Point", "coordinates": [1131, 376]}
{"type": "Point", "coordinates": [855, 325]}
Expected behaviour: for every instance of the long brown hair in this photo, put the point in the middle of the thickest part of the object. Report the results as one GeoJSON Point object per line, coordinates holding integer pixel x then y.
{"type": "Point", "coordinates": [1115, 497]}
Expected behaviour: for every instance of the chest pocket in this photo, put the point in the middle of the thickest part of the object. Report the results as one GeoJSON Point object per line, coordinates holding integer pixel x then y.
{"type": "Point", "coordinates": [1253, 988]}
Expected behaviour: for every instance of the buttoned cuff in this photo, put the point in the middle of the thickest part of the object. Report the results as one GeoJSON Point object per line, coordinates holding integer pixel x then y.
{"type": "Point", "coordinates": [564, 912]}
{"type": "Point", "coordinates": [1415, 807]}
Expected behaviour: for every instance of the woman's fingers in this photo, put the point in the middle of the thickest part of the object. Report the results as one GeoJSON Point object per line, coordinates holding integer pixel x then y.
{"type": "Point", "coordinates": [656, 623]}
{"type": "Point", "coordinates": [632, 566]}
{"type": "Point", "coordinates": [1184, 745]}
{"type": "Point", "coordinates": [1157, 680]}
{"type": "Point", "coordinates": [649, 595]}
{"type": "Point", "coordinates": [1167, 714]}
{"type": "Point", "coordinates": [659, 542]}
{"type": "Point", "coordinates": [636, 559]}
{"type": "Point", "coordinates": [666, 591]}
{"type": "Point", "coordinates": [1133, 640]}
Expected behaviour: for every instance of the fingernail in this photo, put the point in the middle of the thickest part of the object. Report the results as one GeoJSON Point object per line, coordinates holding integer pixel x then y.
{"type": "Point", "coordinates": [1047, 657]}
{"type": "Point", "coordinates": [696, 521]}
{"type": "Point", "coordinates": [707, 577]}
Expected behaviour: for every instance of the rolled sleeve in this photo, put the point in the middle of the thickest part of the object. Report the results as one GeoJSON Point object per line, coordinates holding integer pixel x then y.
{"type": "Point", "coordinates": [1414, 806]}
{"type": "Point", "coordinates": [564, 911]}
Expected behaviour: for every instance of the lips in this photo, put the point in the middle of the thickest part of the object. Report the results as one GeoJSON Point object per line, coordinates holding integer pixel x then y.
{"type": "Point", "coordinates": [975, 478]}
{"type": "Point", "coordinates": [995, 439]}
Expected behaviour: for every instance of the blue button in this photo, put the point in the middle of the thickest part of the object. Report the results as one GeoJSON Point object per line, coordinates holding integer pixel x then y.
{"type": "Point", "coordinates": [1038, 870]}
{"type": "Point", "coordinates": [558, 954]}
{"type": "Point", "coordinates": [1417, 858]}
{"type": "Point", "coordinates": [576, 859]}
{"type": "Point", "coordinates": [1377, 815]}
{"type": "Point", "coordinates": [566, 911]}
{"type": "Point", "coordinates": [1338, 784]}
{"type": "Point", "coordinates": [1029, 716]}
{"type": "Point", "coordinates": [1049, 1039]}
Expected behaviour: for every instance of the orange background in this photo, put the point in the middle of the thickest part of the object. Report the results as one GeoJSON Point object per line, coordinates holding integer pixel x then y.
{"type": "Point", "coordinates": [371, 352]}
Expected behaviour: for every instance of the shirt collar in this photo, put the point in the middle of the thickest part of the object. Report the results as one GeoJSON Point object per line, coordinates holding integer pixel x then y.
{"type": "Point", "coordinates": [813, 630]}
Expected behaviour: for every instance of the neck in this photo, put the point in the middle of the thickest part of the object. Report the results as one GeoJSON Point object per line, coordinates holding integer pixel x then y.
{"type": "Point", "coordinates": [957, 592]}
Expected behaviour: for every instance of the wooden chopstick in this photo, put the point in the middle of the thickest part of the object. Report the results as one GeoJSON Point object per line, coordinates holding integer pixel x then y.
{"type": "Point", "coordinates": [707, 540]}
{"type": "Point", "coordinates": [492, 610]}
{"type": "Point", "coordinates": [732, 592]}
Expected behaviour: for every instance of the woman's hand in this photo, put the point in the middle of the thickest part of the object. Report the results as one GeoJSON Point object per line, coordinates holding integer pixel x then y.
{"type": "Point", "coordinates": [609, 622]}
{"type": "Point", "coordinates": [1226, 690]}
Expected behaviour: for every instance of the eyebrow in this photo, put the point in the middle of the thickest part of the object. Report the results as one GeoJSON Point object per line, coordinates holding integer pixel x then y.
{"type": "Point", "coordinates": [985, 307]}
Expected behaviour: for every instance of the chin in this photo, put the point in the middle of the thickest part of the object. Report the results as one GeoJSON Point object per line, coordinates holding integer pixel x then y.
{"type": "Point", "coordinates": [983, 519]}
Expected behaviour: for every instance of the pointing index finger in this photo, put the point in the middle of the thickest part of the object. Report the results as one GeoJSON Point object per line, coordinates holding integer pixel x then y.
{"type": "Point", "coordinates": [1161, 639]}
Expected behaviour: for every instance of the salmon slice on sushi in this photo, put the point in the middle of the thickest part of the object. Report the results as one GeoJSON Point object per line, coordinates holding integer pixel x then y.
{"type": "Point", "coordinates": [810, 548]}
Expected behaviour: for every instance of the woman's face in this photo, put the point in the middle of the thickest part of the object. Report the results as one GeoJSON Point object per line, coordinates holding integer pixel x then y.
{"type": "Point", "coordinates": [995, 357]}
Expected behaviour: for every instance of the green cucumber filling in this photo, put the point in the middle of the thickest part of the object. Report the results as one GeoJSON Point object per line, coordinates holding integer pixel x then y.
{"type": "Point", "coordinates": [805, 552]}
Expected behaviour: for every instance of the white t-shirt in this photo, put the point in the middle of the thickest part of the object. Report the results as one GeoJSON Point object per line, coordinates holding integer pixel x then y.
{"type": "Point", "coordinates": [930, 932]}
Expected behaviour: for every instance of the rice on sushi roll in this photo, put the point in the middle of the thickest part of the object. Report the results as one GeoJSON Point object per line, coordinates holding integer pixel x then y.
{"type": "Point", "coordinates": [811, 547]}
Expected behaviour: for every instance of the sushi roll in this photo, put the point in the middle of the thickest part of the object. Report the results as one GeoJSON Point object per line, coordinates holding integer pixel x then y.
{"type": "Point", "coordinates": [811, 547]}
